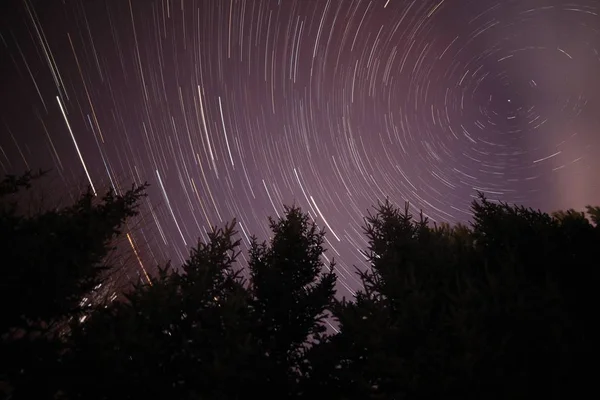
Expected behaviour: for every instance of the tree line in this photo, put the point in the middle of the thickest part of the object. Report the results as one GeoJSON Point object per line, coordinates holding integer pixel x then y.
{"type": "Point", "coordinates": [502, 308]}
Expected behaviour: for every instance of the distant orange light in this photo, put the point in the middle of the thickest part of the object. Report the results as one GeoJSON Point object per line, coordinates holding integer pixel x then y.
{"type": "Point", "coordinates": [139, 259]}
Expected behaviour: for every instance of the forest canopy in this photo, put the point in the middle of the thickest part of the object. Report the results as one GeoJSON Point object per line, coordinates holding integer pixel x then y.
{"type": "Point", "coordinates": [500, 308]}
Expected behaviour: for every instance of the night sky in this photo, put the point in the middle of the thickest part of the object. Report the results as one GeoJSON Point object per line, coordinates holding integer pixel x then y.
{"type": "Point", "coordinates": [232, 108]}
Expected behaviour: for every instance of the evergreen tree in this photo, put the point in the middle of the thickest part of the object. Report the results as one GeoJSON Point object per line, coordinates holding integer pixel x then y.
{"type": "Point", "coordinates": [390, 343]}
{"type": "Point", "coordinates": [499, 309]}
{"type": "Point", "coordinates": [185, 335]}
{"type": "Point", "coordinates": [201, 332]}
{"type": "Point", "coordinates": [492, 311]}
{"type": "Point", "coordinates": [52, 259]}
{"type": "Point", "coordinates": [291, 290]}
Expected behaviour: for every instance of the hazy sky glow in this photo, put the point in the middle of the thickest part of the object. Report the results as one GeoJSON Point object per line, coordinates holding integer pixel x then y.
{"type": "Point", "coordinates": [231, 108]}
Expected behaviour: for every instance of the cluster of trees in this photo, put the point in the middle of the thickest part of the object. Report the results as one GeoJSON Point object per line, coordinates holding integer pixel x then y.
{"type": "Point", "coordinates": [500, 309]}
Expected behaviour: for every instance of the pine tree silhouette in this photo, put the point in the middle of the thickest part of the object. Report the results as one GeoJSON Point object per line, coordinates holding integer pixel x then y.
{"type": "Point", "coordinates": [52, 259]}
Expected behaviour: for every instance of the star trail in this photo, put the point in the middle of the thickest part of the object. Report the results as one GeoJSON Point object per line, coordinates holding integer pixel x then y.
{"type": "Point", "coordinates": [233, 108]}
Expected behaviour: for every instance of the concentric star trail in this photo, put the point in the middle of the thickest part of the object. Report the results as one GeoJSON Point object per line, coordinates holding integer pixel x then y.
{"type": "Point", "coordinates": [233, 108]}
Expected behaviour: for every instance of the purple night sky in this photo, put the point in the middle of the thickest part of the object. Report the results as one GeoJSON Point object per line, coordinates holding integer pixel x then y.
{"type": "Point", "coordinates": [232, 108]}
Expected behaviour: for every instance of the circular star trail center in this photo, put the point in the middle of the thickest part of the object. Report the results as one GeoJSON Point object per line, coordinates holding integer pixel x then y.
{"type": "Point", "coordinates": [232, 108]}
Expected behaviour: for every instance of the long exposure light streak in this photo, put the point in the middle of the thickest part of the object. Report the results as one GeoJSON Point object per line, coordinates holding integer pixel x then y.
{"type": "Point", "coordinates": [235, 108]}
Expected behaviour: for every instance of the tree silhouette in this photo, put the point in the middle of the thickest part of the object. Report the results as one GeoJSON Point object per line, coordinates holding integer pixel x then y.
{"type": "Point", "coordinates": [499, 310]}
{"type": "Point", "coordinates": [52, 259]}
{"type": "Point", "coordinates": [184, 335]}
{"type": "Point", "coordinates": [291, 290]}
{"type": "Point", "coordinates": [201, 331]}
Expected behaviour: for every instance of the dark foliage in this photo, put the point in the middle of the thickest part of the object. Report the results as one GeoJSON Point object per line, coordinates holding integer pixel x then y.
{"type": "Point", "coordinates": [290, 292]}
{"type": "Point", "coordinates": [200, 332]}
{"type": "Point", "coordinates": [52, 259]}
{"type": "Point", "coordinates": [184, 334]}
{"type": "Point", "coordinates": [500, 309]}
